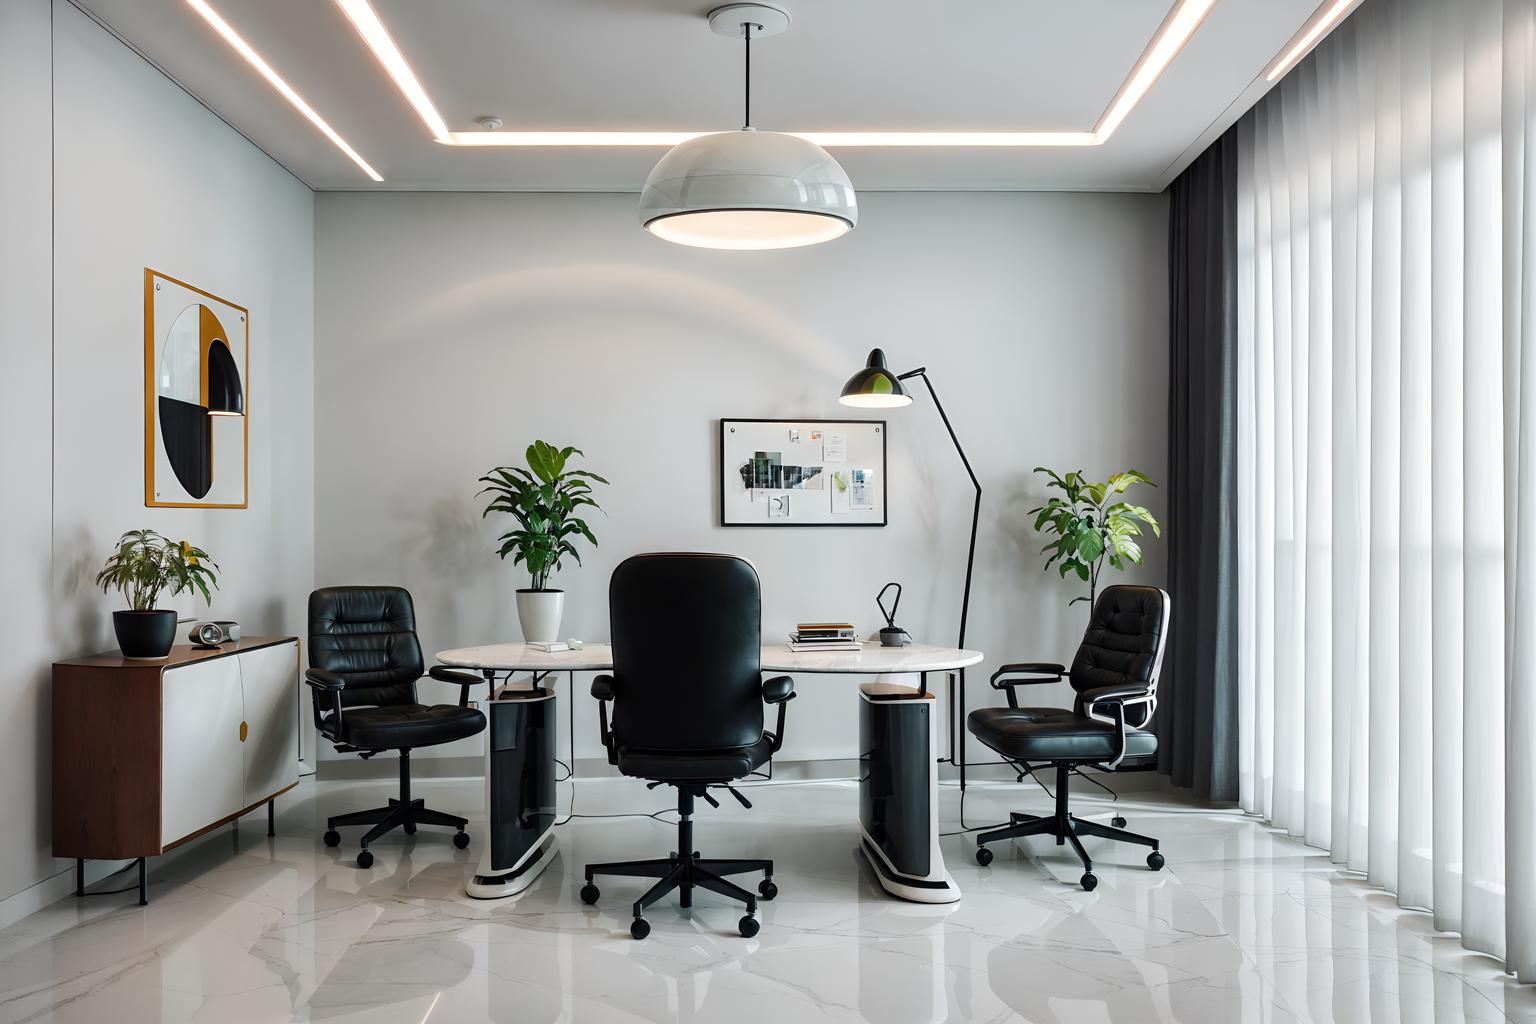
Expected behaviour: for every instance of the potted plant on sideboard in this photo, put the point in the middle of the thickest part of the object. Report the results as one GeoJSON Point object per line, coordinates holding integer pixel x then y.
{"type": "Point", "coordinates": [1092, 524]}
{"type": "Point", "coordinates": [144, 566]}
{"type": "Point", "coordinates": [544, 499]}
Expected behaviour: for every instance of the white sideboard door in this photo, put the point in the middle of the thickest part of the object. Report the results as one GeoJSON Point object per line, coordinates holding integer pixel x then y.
{"type": "Point", "coordinates": [269, 677]}
{"type": "Point", "coordinates": [200, 715]}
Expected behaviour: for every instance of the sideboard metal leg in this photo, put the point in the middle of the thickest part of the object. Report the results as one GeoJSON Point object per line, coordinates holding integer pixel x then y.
{"type": "Point", "coordinates": [79, 876]}
{"type": "Point", "coordinates": [272, 817]}
{"type": "Point", "coordinates": [143, 881]}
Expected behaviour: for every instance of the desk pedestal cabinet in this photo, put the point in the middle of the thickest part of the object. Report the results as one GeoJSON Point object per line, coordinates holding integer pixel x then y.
{"type": "Point", "coordinates": [519, 793]}
{"type": "Point", "coordinates": [150, 754]}
{"type": "Point", "coordinates": [899, 793]}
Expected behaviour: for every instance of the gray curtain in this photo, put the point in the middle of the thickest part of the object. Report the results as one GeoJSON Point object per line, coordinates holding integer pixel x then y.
{"type": "Point", "coordinates": [1196, 720]}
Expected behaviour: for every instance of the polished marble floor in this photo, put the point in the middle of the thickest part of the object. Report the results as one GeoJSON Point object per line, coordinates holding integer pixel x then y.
{"type": "Point", "coordinates": [1243, 925]}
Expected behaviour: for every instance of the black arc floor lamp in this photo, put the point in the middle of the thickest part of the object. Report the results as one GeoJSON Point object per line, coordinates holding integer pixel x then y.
{"type": "Point", "coordinates": [876, 387]}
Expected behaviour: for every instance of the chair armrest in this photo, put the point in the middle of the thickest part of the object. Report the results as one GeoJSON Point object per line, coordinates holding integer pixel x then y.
{"type": "Point", "coordinates": [779, 691]}
{"type": "Point", "coordinates": [1111, 694]}
{"type": "Point", "coordinates": [1044, 671]}
{"type": "Point", "coordinates": [463, 680]}
{"type": "Point", "coordinates": [1033, 671]}
{"type": "Point", "coordinates": [604, 688]}
{"type": "Point", "coordinates": [320, 679]}
{"type": "Point", "coordinates": [323, 682]}
{"type": "Point", "coordinates": [1114, 697]}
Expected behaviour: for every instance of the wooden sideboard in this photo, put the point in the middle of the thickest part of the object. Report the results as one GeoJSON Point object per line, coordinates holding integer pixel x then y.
{"type": "Point", "coordinates": [150, 754]}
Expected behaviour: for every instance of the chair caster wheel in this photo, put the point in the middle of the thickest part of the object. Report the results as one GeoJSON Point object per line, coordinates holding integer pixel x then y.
{"type": "Point", "coordinates": [589, 895]}
{"type": "Point", "coordinates": [409, 828]}
{"type": "Point", "coordinates": [766, 889]}
{"type": "Point", "coordinates": [1155, 861]}
{"type": "Point", "coordinates": [639, 928]}
{"type": "Point", "coordinates": [1117, 821]}
{"type": "Point", "coordinates": [365, 859]}
{"type": "Point", "coordinates": [461, 839]}
{"type": "Point", "coordinates": [748, 926]}
{"type": "Point", "coordinates": [1090, 881]}
{"type": "Point", "coordinates": [983, 856]}
{"type": "Point", "coordinates": [332, 838]}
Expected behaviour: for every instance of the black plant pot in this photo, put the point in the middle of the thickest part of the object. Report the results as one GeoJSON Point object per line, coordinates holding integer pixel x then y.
{"type": "Point", "coordinates": [145, 635]}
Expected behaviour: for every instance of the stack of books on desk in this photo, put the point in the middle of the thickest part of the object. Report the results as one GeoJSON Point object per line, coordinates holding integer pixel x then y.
{"type": "Point", "coordinates": [824, 636]}
{"type": "Point", "coordinates": [548, 646]}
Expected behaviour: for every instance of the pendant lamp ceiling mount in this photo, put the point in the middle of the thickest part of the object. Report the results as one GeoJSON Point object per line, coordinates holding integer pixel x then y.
{"type": "Point", "coordinates": [735, 19]}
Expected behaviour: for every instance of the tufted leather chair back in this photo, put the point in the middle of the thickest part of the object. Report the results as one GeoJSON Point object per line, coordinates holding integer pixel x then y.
{"type": "Point", "coordinates": [368, 636]}
{"type": "Point", "coordinates": [1124, 644]}
{"type": "Point", "coordinates": [687, 636]}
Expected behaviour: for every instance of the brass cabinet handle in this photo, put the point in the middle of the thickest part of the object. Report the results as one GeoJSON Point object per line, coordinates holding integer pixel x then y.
{"type": "Point", "coordinates": [244, 729]}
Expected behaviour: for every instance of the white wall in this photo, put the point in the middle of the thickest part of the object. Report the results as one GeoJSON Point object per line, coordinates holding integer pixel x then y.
{"type": "Point", "coordinates": [143, 175]}
{"type": "Point", "coordinates": [26, 468]}
{"type": "Point", "coordinates": [453, 329]}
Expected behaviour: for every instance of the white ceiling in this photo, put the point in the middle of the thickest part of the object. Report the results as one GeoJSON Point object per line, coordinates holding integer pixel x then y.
{"type": "Point", "coordinates": [1002, 65]}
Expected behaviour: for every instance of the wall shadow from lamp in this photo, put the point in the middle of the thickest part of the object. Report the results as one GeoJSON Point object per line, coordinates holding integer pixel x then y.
{"type": "Point", "coordinates": [196, 367]}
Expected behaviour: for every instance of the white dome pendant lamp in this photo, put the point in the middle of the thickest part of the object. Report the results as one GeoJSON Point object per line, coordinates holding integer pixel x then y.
{"type": "Point", "coordinates": [748, 189]}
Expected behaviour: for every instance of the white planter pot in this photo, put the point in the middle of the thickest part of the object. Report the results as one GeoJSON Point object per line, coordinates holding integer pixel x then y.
{"type": "Point", "coordinates": [538, 611]}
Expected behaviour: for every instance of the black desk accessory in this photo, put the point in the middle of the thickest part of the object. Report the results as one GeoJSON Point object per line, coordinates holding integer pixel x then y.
{"type": "Point", "coordinates": [207, 635]}
{"type": "Point", "coordinates": [892, 635]}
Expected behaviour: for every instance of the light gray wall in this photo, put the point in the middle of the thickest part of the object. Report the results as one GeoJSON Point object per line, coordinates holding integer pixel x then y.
{"type": "Point", "coordinates": [143, 175]}
{"type": "Point", "coordinates": [148, 177]}
{"type": "Point", "coordinates": [451, 330]}
{"type": "Point", "coordinates": [26, 468]}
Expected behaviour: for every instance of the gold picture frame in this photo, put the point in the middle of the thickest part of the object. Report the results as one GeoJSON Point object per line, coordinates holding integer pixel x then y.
{"type": "Point", "coordinates": [197, 352]}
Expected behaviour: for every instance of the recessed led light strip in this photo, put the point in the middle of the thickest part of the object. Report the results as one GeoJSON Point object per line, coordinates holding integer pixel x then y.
{"type": "Point", "coordinates": [1325, 18]}
{"type": "Point", "coordinates": [936, 139]}
{"type": "Point", "coordinates": [368, 25]}
{"type": "Point", "coordinates": [1171, 36]}
{"type": "Point", "coordinates": [254, 59]}
{"type": "Point", "coordinates": [1185, 17]}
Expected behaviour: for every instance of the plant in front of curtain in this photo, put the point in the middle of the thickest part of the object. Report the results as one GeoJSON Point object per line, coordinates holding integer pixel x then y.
{"type": "Point", "coordinates": [544, 498]}
{"type": "Point", "coordinates": [1091, 523]}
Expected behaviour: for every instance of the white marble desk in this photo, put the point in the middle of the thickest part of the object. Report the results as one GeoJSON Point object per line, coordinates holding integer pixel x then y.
{"type": "Point", "coordinates": [872, 660]}
{"type": "Point", "coordinates": [899, 833]}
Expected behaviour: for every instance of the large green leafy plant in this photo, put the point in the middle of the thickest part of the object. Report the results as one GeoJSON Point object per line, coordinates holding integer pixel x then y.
{"type": "Point", "coordinates": [1090, 523]}
{"type": "Point", "coordinates": [544, 499]}
{"type": "Point", "coordinates": [146, 564]}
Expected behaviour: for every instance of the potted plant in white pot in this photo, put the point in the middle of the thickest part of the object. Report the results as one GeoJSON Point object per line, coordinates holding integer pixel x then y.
{"type": "Point", "coordinates": [544, 499]}
{"type": "Point", "coordinates": [144, 566]}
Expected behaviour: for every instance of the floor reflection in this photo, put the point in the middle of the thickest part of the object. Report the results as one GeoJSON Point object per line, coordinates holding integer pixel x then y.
{"type": "Point", "coordinates": [1245, 924]}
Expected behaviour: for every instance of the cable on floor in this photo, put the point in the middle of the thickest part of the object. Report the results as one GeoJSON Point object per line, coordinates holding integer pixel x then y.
{"type": "Point", "coordinates": [1024, 770]}
{"type": "Point", "coordinates": [113, 892]}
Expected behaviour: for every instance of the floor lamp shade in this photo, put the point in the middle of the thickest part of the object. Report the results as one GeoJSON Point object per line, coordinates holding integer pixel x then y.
{"type": "Point", "coordinates": [748, 190]}
{"type": "Point", "coordinates": [875, 387]}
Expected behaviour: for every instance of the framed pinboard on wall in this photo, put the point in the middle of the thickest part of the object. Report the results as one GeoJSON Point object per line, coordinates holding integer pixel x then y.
{"type": "Point", "coordinates": [196, 427]}
{"type": "Point", "coordinates": [802, 472]}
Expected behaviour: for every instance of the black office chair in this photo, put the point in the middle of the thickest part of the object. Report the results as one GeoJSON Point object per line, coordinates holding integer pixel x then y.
{"type": "Point", "coordinates": [688, 694]}
{"type": "Point", "coordinates": [365, 661]}
{"type": "Point", "coordinates": [1115, 675]}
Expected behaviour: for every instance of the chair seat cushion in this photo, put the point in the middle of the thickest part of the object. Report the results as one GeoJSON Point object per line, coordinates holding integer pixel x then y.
{"type": "Point", "coordinates": [1053, 734]}
{"type": "Point", "coordinates": [408, 725]}
{"type": "Point", "coordinates": [694, 765]}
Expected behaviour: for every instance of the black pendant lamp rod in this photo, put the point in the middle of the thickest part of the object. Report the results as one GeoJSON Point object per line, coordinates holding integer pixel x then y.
{"type": "Point", "coordinates": [746, 115]}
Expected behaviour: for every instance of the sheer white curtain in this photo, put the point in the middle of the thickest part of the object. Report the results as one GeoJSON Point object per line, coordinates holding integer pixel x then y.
{"type": "Point", "coordinates": [1387, 459]}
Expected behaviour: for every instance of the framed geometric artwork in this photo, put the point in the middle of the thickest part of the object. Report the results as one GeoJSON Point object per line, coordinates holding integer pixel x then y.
{"type": "Point", "coordinates": [802, 472]}
{"type": "Point", "coordinates": [196, 423]}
